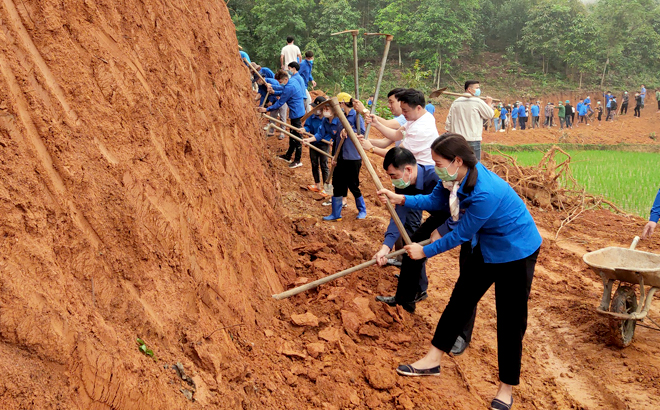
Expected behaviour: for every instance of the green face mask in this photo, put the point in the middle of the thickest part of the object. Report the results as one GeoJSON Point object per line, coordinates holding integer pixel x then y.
{"type": "Point", "coordinates": [400, 183]}
{"type": "Point", "coordinates": [444, 174]}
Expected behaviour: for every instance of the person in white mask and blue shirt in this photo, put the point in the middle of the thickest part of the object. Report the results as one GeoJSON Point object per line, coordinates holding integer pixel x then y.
{"type": "Point", "coordinates": [499, 245]}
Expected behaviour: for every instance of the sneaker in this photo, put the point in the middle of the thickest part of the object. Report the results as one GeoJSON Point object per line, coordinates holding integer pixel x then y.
{"type": "Point", "coordinates": [345, 205]}
{"type": "Point", "coordinates": [295, 164]}
{"type": "Point", "coordinates": [501, 130]}
{"type": "Point", "coordinates": [284, 158]}
{"type": "Point", "coordinates": [327, 203]}
{"type": "Point", "coordinates": [280, 137]}
{"type": "Point", "coordinates": [394, 262]}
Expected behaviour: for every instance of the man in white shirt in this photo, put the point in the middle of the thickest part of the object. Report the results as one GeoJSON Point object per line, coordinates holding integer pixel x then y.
{"type": "Point", "coordinates": [417, 134]}
{"type": "Point", "coordinates": [467, 114]}
{"type": "Point", "coordinates": [290, 53]}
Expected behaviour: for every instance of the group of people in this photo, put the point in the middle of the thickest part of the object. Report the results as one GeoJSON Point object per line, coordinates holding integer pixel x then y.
{"type": "Point", "coordinates": [468, 205]}
{"type": "Point", "coordinates": [519, 115]}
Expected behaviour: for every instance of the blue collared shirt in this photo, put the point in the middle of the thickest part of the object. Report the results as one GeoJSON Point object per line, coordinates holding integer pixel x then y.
{"type": "Point", "coordinates": [303, 86]}
{"type": "Point", "coordinates": [493, 211]}
{"type": "Point", "coordinates": [328, 130]}
{"type": "Point", "coordinates": [514, 112]}
{"type": "Point", "coordinates": [263, 91]}
{"type": "Point", "coordinates": [332, 132]}
{"type": "Point", "coordinates": [292, 95]}
{"type": "Point", "coordinates": [306, 71]}
{"type": "Point", "coordinates": [655, 211]}
{"type": "Point", "coordinates": [312, 126]}
{"type": "Point", "coordinates": [266, 72]}
{"type": "Point", "coordinates": [535, 110]}
{"type": "Point", "coordinates": [426, 181]}
{"type": "Point", "coordinates": [521, 111]}
{"type": "Point", "coordinates": [244, 55]}
{"type": "Point", "coordinates": [348, 150]}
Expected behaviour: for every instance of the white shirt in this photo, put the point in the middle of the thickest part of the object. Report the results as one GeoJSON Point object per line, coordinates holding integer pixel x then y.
{"type": "Point", "coordinates": [401, 120]}
{"type": "Point", "coordinates": [466, 117]}
{"type": "Point", "coordinates": [418, 136]}
{"type": "Point", "coordinates": [290, 53]}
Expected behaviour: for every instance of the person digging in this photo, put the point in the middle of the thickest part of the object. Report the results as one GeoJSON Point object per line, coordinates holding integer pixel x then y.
{"type": "Point", "coordinates": [317, 160]}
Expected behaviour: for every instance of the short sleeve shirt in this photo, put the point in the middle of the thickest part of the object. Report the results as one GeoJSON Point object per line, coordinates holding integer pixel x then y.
{"type": "Point", "coordinates": [418, 137]}
{"type": "Point", "coordinates": [290, 53]}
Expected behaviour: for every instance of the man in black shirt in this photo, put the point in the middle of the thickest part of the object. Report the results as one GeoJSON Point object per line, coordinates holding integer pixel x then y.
{"type": "Point", "coordinates": [569, 114]}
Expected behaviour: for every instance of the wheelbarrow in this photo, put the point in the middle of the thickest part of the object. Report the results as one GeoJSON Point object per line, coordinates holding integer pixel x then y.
{"type": "Point", "coordinates": [629, 267]}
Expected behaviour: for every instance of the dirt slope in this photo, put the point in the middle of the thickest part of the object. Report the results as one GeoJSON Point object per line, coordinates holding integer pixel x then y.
{"type": "Point", "coordinates": [134, 203]}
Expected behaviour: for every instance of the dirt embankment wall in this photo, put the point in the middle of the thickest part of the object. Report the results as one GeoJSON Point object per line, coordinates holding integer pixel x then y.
{"type": "Point", "coordinates": [133, 203]}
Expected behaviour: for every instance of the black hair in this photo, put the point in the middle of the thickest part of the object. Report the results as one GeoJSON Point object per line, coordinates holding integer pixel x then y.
{"type": "Point", "coordinates": [309, 54]}
{"type": "Point", "coordinates": [449, 146]}
{"type": "Point", "coordinates": [469, 83]}
{"type": "Point", "coordinates": [280, 74]}
{"type": "Point", "coordinates": [411, 97]}
{"type": "Point", "coordinates": [394, 92]}
{"type": "Point", "coordinates": [295, 65]}
{"type": "Point", "coordinates": [290, 39]}
{"type": "Point", "coordinates": [398, 157]}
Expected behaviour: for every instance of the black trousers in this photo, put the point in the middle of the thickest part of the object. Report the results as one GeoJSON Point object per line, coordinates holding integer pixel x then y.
{"type": "Point", "coordinates": [513, 282]}
{"type": "Point", "coordinates": [523, 122]}
{"type": "Point", "coordinates": [347, 176]}
{"type": "Point", "coordinates": [569, 123]}
{"type": "Point", "coordinates": [295, 145]}
{"type": "Point", "coordinates": [624, 108]}
{"type": "Point", "coordinates": [658, 105]}
{"type": "Point", "coordinates": [637, 111]}
{"type": "Point", "coordinates": [319, 160]}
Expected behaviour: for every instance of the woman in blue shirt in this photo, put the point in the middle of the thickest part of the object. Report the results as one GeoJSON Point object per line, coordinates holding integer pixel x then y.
{"type": "Point", "coordinates": [499, 244]}
{"type": "Point", "coordinates": [653, 220]}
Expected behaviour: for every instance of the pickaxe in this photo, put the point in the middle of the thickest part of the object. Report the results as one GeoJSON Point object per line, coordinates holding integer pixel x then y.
{"type": "Point", "coordinates": [351, 134]}
{"type": "Point", "coordinates": [438, 93]}
{"type": "Point", "coordinates": [354, 33]}
{"type": "Point", "coordinates": [388, 40]}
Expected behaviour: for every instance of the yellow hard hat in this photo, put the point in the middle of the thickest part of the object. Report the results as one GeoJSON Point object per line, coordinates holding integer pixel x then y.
{"type": "Point", "coordinates": [344, 97]}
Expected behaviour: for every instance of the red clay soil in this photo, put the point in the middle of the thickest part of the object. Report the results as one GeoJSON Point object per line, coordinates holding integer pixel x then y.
{"type": "Point", "coordinates": [140, 199]}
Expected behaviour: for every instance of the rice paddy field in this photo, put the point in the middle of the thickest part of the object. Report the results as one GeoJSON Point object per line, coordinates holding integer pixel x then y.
{"type": "Point", "coordinates": [629, 179]}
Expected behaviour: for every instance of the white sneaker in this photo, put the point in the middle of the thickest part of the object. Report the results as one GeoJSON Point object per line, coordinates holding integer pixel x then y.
{"type": "Point", "coordinates": [513, 129]}
{"type": "Point", "coordinates": [295, 165]}
{"type": "Point", "coordinates": [501, 130]}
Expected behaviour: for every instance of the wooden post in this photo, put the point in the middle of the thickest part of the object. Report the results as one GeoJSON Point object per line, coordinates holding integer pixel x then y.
{"type": "Point", "coordinates": [351, 134]}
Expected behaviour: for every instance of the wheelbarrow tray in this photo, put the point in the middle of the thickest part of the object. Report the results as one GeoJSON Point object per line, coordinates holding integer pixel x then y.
{"type": "Point", "coordinates": [623, 264]}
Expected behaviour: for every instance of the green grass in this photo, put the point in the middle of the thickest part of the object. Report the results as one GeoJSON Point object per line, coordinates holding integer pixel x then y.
{"type": "Point", "coordinates": [628, 179]}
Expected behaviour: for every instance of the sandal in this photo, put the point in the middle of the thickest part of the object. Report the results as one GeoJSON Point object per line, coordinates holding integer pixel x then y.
{"type": "Point", "coordinates": [498, 404]}
{"type": "Point", "coordinates": [313, 188]}
{"type": "Point", "coordinates": [408, 370]}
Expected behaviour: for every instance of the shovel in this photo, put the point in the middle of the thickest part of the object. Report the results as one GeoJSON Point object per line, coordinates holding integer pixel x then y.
{"type": "Point", "coordinates": [438, 93]}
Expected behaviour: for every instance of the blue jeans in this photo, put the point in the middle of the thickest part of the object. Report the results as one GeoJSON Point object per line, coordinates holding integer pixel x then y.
{"type": "Point", "coordinates": [497, 124]}
{"type": "Point", "coordinates": [514, 122]}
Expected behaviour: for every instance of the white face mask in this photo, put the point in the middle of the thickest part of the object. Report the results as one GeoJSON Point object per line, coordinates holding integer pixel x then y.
{"type": "Point", "coordinates": [327, 114]}
{"type": "Point", "coordinates": [318, 112]}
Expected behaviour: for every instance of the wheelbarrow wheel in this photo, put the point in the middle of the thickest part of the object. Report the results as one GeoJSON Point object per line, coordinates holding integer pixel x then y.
{"type": "Point", "coordinates": [624, 301]}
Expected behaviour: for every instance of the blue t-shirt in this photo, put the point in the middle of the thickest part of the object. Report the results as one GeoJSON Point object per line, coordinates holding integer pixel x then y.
{"type": "Point", "coordinates": [514, 112]}
{"type": "Point", "coordinates": [521, 112]}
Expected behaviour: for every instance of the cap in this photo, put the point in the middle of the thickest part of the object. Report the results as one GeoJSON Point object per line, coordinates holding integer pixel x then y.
{"type": "Point", "coordinates": [344, 97]}
{"type": "Point", "coordinates": [568, 102]}
{"type": "Point", "coordinates": [318, 100]}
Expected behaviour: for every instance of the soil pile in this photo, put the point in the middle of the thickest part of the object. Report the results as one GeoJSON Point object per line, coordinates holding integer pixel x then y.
{"type": "Point", "coordinates": [134, 203]}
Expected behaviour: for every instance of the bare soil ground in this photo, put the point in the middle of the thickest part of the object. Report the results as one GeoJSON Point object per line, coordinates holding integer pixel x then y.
{"type": "Point", "coordinates": [139, 198]}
